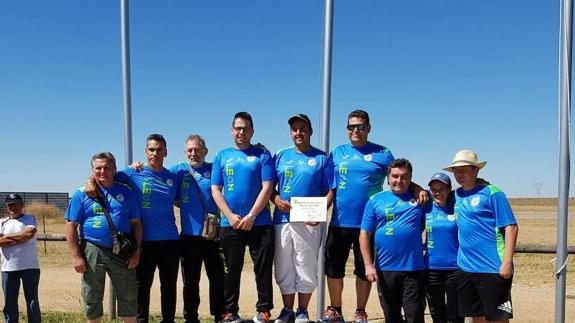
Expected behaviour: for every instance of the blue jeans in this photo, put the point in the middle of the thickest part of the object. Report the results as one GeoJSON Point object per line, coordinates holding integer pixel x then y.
{"type": "Point", "coordinates": [11, 287]}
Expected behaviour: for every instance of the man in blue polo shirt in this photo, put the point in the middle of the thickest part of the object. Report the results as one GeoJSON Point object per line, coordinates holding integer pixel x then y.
{"type": "Point", "coordinates": [487, 236]}
{"type": "Point", "coordinates": [94, 258]}
{"type": "Point", "coordinates": [398, 222]}
{"type": "Point", "coordinates": [194, 177]}
{"type": "Point", "coordinates": [242, 182]}
{"type": "Point", "coordinates": [301, 170]}
{"type": "Point", "coordinates": [156, 189]}
{"type": "Point", "coordinates": [360, 167]}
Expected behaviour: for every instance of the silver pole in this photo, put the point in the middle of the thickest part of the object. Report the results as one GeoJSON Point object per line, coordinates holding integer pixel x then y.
{"type": "Point", "coordinates": [564, 155]}
{"type": "Point", "coordinates": [125, 29]}
{"type": "Point", "coordinates": [126, 75]}
{"type": "Point", "coordinates": [327, 46]}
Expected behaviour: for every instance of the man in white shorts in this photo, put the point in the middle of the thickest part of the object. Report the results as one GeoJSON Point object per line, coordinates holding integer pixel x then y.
{"type": "Point", "coordinates": [301, 170]}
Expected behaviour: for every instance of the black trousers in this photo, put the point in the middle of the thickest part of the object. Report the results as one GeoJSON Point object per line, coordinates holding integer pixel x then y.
{"type": "Point", "coordinates": [402, 289]}
{"type": "Point", "coordinates": [165, 255]}
{"type": "Point", "coordinates": [260, 241]}
{"type": "Point", "coordinates": [438, 285]}
{"type": "Point", "coordinates": [195, 251]}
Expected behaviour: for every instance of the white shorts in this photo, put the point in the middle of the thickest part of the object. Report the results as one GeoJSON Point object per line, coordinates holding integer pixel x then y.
{"type": "Point", "coordinates": [295, 258]}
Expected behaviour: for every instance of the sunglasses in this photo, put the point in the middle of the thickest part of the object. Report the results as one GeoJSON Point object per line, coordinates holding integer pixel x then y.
{"type": "Point", "coordinates": [356, 127]}
{"type": "Point", "coordinates": [240, 129]}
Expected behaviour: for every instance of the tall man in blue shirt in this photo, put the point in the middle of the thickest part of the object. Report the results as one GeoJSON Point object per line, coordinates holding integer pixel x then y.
{"type": "Point", "coordinates": [360, 167]}
{"type": "Point", "coordinates": [242, 182]}
{"type": "Point", "coordinates": [194, 178]}
{"type": "Point", "coordinates": [398, 222]}
{"type": "Point", "coordinates": [487, 236]}
{"type": "Point", "coordinates": [301, 170]}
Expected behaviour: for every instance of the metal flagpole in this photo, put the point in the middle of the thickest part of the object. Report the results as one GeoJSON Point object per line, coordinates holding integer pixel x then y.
{"type": "Point", "coordinates": [126, 75]}
{"type": "Point", "coordinates": [125, 28]}
{"type": "Point", "coordinates": [565, 36]}
{"type": "Point", "coordinates": [327, 46]}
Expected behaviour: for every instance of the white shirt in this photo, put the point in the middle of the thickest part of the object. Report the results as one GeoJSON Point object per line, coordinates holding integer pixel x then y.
{"type": "Point", "coordinates": [24, 255]}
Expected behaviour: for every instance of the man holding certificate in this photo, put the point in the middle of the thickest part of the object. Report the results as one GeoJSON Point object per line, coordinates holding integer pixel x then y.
{"type": "Point", "coordinates": [302, 195]}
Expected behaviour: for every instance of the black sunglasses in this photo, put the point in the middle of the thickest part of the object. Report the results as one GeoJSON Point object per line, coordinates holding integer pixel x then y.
{"type": "Point", "coordinates": [357, 127]}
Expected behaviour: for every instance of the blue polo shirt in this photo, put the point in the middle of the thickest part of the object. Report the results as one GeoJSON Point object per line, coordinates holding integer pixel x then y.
{"type": "Point", "coordinates": [300, 174]}
{"type": "Point", "coordinates": [482, 215]}
{"type": "Point", "coordinates": [191, 211]}
{"type": "Point", "coordinates": [156, 192]}
{"type": "Point", "coordinates": [359, 172]}
{"type": "Point", "coordinates": [398, 222]}
{"type": "Point", "coordinates": [442, 241]}
{"type": "Point", "coordinates": [241, 173]}
{"type": "Point", "coordinates": [122, 205]}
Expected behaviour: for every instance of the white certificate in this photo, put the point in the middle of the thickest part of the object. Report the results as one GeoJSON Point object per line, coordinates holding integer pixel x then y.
{"type": "Point", "coordinates": [308, 209]}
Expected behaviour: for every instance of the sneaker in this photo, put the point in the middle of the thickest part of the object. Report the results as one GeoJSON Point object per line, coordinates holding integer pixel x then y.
{"type": "Point", "coordinates": [331, 315]}
{"type": "Point", "coordinates": [301, 316]}
{"type": "Point", "coordinates": [360, 316]}
{"type": "Point", "coordinates": [262, 317]}
{"type": "Point", "coordinates": [286, 316]}
{"type": "Point", "coordinates": [231, 318]}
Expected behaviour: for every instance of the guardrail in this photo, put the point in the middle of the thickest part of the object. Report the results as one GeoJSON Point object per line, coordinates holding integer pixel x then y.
{"type": "Point", "coordinates": [518, 249]}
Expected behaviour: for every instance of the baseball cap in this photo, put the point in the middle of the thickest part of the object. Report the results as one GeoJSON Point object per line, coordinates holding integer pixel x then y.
{"type": "Point", "coordinates": [440, 177]}
{"type": "Point", "coordinates": [13, 199]}
{"type": "Point", "coordinates": [300, 116]}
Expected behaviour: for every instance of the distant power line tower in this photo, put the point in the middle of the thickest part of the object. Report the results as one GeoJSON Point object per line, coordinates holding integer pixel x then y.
{"type": "Point", "coordinates": [538, 187]}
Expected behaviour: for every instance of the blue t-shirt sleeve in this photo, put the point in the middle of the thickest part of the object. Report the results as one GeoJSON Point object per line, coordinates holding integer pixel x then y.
{"type": "Point", "coordinates": [333, 183]}
{"type": "Point", "coordinates": [268, 171]}
{"type": "Point", "coordinates": [134, 207]}
{"type": "Point", "coordinates": [327, 176]}
{"type": "Point", "coordinates": [217, 171]}
{"type": "Point", "coordinates": [276, 160]}
{"type": "Point", "coordinates": [503, 212]}
{"type": "Point", "coordinates": [174, 169]}
{"type": "Point", "coordinates": [369, 218]}
{"type": "Point", "coordinates": [75, 211]}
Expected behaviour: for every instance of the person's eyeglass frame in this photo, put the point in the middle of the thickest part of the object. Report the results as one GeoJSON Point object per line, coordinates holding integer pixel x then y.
{"type": "Point", "coordinates": [357, 127]}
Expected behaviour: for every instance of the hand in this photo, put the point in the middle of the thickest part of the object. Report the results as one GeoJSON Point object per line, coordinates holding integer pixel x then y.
{"type": "Point", "coordinates": [79, 265]}
{"type": "Point", "coordinates": [371, 273]}
{"type": "Point", "coordinates": [506, 269]}
{"type": "Point", "coordinates": [91, 188]}
{"type": "Point", "coordinates": [313, 224]}
{"type": "Point", "coordinates": [282, 204]}
{"type": "Point", "coordinates": [138, 165]}
{"type": "Point", "coordinates": [422, 197]}
{"type": "Point", "coordinates": [246, 223]}
{"type": "Point", "coordinates": [234, 220]}
{"type": "Point", "coordinates": [134, 260]}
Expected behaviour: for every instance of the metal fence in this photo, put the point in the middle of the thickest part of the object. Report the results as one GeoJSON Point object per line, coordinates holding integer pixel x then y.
{"type": "Point", "coordinates": [59, 200]}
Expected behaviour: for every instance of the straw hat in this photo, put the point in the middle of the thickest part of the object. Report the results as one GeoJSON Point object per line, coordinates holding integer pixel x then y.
{"type": "Point", "coordinates": [465, 158]}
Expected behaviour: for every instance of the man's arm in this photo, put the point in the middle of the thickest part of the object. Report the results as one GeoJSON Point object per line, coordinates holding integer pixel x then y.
{"type": "Point", "coordinates": [71, 231]}
{"type": "Point", "coordinates": [12, 239]}
{"type": "Point", "coordinates": [419, 193]}
{"type": "Point", "coordinates": [365, 247]}
{"type": "Point", "coordinates": [506, 269]}
{"type": "Point", "coordinates": [220, 200]}
{"type": "Point", "coordinates": [137, 230]}
{"type": "Point", "coordinates": [247, 222]}
{"type": "Point", "coordinates": [281, 204]}
{"type": "Point", "coordinates": [330, 196]}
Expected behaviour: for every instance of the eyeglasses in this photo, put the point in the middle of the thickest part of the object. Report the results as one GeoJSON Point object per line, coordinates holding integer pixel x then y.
{"type": "Point", "coordinates": [240, 129]}
{"type": "Point", "coordinates": [356, 127]}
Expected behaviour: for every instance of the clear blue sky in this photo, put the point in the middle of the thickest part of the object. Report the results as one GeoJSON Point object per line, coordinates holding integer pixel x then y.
{"type": "Point", "coordinates": [436, 77]}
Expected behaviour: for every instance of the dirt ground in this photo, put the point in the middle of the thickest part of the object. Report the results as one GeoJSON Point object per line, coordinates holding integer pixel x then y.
{"type": "Point", "coordinates": [533, 289]}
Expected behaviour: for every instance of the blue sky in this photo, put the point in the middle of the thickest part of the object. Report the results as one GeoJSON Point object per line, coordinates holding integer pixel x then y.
{"type": "Point", "coordinates": [435, 76]}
